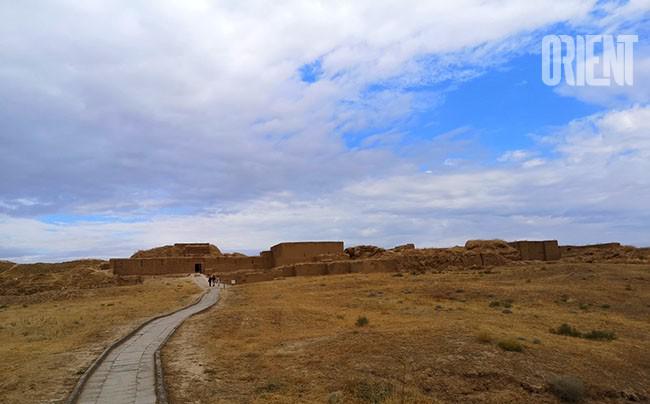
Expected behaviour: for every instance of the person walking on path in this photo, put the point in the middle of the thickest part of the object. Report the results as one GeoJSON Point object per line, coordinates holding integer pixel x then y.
{"type": "Point", "coordinates": [210, 280]}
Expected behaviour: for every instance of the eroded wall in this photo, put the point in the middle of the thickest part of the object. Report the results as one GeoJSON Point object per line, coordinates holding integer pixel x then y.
{"type": "Point", "coordinates": [293, 253]}
{"type": "Point", "coordinates": [154, 266]}
{"type": "Point", "coordinates": [547, 250]}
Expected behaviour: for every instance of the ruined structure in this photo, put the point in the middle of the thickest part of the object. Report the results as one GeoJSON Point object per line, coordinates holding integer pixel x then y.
{"type": "Point", "coordinates": [311, 258]}
{"type": "Point", "coordinates": [195, 257]}
{"type": "Point", "coordinates": [547, 250]}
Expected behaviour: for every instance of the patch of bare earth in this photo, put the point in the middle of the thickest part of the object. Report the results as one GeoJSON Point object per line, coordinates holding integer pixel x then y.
{"type": "Point", "coordinates": [55, 319]}
{"type": "Point", "coordinates": [461, 336]}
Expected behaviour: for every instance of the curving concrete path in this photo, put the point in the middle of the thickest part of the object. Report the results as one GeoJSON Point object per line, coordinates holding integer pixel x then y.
{"type": "Point", "coordinates": [127, 373]}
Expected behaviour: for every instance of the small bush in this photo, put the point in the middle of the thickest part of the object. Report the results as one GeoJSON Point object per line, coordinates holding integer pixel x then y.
{"type": "Point", "coordinates": [510, 345]}
{"type": "Point", "coordinates": [568, 388]}
{"type": "Point", "coordinates": [600, 335]}
{"type": "Point", "coordinates": [362, 321]}
{"type": "Point", "coordinates": [335, 397]}
{"type": "Point", "coordinates": [270, 387]}
{"type": "Point", "coordinates": [370, 391]}
{"type": "Point", "coordinates": [495, 303]}
{"type": "Point", "coordinates": [566, 329]}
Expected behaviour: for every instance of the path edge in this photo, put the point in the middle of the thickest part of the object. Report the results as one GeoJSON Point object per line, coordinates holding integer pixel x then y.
{"type": "Point", "coordinates": [161, 389]}
{"type": "Point", "coordinates": [76, 392]}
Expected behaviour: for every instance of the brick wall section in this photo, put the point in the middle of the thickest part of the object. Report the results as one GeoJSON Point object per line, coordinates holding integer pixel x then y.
{"type": "Point", "coordinates": [293, 259]}
{"type": "Point", "coordinates": [280, 254]}
{"type": "Point", "coordinates": [153, 266]}
{"type": "Point", "coordinates": [547, 250]}
{"type": "Point", "coordinates": [293, 253]}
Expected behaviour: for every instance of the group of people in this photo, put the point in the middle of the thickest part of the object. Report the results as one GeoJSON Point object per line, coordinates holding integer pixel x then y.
{"type": "Point", "coordinates": [213, 280]}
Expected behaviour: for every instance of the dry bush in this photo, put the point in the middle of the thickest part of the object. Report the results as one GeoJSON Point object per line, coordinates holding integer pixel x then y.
{"type": "Point", "coordinates": [598, 335]}
{"type": "Point", "coordinates": [369, 391]}
{"type": "Point", "coordinates": [567, 388]}
{"type": "Point", "coordinates": [510, 345]}
{"type": "Point", "coordinates": [362, 321]}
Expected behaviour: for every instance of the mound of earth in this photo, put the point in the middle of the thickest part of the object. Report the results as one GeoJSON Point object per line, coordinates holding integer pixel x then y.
{"type": "Point", "coordinates": [492, 246]}
{"type": "Point", "coordinates": [609, 252]}
{"type": "Point", "coordinates": [5, 265]}
{"type": "Point", "coordinates": [364, 251]}
{"type": "Point", "coordinates": [29, 279]}
{"type": "Point", "coordinates": [403, 247]}
{"type": "Point", "coordinates": [171, 251]}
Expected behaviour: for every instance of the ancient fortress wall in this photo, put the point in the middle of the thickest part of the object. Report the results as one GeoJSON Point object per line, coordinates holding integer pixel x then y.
{"type": "Point", "coordinates": [153, 266]}
{"type": "Point", "coordinates": [292, 253]}
{"type": "Point", "coordinates": [547, 250]}
{"type": "Point", "coordinates": [328, 258]}
{"type": "Point", "coordinates": [195, 254]}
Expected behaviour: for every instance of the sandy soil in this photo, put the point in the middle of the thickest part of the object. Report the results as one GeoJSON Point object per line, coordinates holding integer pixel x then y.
{"type": "Point", "coordinates": [434, 337]}
{"type": "Point", "coordinates": [51, 335]}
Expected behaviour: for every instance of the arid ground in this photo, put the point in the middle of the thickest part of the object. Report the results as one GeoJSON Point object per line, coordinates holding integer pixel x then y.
{"type": "Point", "coordinates": [55, 319]}
{"type": "Point", "coordinates": [453, 336]}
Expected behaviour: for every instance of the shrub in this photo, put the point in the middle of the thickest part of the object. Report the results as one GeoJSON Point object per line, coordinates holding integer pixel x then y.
{"type": "Point", "coordinates": [510, 345]}
{"type": "Point", "coordinates": [600, 335]}
{"type": "Point", "coordinates": [362, 321]}
{"type": "Point", "coordinates": [495, 303]}
{"type": "Point", "coordinates": [335, 397]}
{"type": "Point", "coordinates": [370, 391]}
{"type": "Point", "coordinates": [270, 387]}
{"type": "Point", "coordinates": [566, 329]}
{"type": "Point", "coordinates": [568, 388]}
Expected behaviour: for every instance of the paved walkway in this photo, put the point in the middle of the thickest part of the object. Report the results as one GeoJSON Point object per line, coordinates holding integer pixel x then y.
{"type": "Point", "coordinates": [126, 375]}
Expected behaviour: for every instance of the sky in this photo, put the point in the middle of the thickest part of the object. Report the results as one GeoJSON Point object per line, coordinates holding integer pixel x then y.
{"type": "Point", "coordinates": [126, 125]}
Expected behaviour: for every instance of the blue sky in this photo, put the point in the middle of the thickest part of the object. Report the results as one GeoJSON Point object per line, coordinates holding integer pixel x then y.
{"type": "Point", "coordinates": [125, 126]}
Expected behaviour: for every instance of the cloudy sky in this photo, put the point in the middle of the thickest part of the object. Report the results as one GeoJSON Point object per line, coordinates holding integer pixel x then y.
{"type": "Point", "coordinates": [130, 124]}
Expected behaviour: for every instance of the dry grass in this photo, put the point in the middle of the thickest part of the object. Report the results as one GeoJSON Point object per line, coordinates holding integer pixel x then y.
{"type": "Point", "coordinates": [48, 340]}
{"type": "Point", "coordinates": [429, 338]}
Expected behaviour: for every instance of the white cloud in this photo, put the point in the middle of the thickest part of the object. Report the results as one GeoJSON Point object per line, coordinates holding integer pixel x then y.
{"type": "Point", "coordinates": [130, 109]}
{"type": "Point", "coordinates": [514, 156]}
{"type": "Point", "coordinates": [116, 103]}
{"type": "Point", "coordinates": [596, 190]}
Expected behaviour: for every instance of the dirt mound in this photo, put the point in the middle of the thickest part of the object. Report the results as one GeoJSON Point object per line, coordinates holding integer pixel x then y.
{"type": "Point", "coordinates": [364, 251]}
{"type": "Point", "coordinates": [499, 247]}
{"type": "Point", "coordinates": [5, 265]}
{"type": "Point", "coordinates": [609, 252]}
{"type": "Point", "coordinates": [28, 279]}
{"type": "Point", "coordinates": [171, 251]}
{"type": "Point", "coordinates": [403, 247]}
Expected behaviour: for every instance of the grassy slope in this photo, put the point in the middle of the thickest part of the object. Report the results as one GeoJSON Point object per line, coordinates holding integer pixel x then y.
{"type": "Point", "coordinates": [49, 337]}
{"type": "Point", "coordinates": [431, 337]}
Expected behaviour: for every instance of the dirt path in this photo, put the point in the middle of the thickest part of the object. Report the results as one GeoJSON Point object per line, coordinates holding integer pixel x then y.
{"type": "Point", "coordinates": [126, 374]}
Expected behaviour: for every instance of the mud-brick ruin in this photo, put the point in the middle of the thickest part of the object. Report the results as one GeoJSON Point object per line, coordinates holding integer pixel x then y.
{"type": "Point", "coordinates": [308, 258]}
